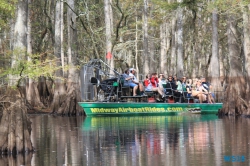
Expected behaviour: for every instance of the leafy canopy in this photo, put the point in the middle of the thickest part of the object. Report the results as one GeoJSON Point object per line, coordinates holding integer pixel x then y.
{"type": "Point", "coordinates": [7, 10]}
{"type": "Point", "coordinates": [33, 68]}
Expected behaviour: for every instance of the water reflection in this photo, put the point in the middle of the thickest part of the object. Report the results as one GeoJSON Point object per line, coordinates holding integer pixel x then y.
{"type": "Point", "coordinates": [157, 140]}
{"type": "Point", "coordinates": [164, 140]}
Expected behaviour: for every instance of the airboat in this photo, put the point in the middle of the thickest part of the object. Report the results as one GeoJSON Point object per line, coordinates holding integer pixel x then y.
{"type": "Point", "coordinates": [103, 94]}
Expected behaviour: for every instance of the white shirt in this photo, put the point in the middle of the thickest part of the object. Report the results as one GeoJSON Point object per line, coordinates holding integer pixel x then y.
{"type": "Point", "coordinates": [134, 78]}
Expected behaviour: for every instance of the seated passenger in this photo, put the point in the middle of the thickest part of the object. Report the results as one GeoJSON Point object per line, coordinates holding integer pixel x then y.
{"type": "Point", "coordinates": [179, 85]}
{"type": "Point", "coordinates": [135, 81]}
{"type": "Point", "coordinates": [154, 81]}
{"type": "Point", "coordinates": [128, 81]}
{"type": "Point", "coordinates": [184, 83]}
{"type": "Point", "coordinates": [171, 89]}
{"type": "Point", "coordinates": [179, 91]}
{"type": "Point", "coordinates": [189, 88]}
{"type": "Point", "coordinates": [151, 85]}
{"type": "Point", "coordinates": [207, 86]}
{"type": "Point", "coordinates": [170, 86]}
{"type": "Point", "coordinates": [162, 81]}
{"type": "Point", "coordinates": [174, 79]}
{"type": "Point", "coordinates": [147, 83]}
{"type": "Point", "coordinates": [199, 91]}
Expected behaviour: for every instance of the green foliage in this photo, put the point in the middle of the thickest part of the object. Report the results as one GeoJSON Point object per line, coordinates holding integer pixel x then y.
{"type": "Point", "coordinates": [33, 68]}
{"type": "Point", "coordinates": [227, 6]}
{"type": "Point", "coordinates": [165, 5]}
{"type": "Point", "coordinates": [165, 9]}
{"type": "Point", "coordinates": [7, 10]}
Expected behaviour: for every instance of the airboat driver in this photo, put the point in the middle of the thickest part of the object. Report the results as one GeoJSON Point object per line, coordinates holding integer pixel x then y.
{"type": "Point", "coordinates": [135, 80]}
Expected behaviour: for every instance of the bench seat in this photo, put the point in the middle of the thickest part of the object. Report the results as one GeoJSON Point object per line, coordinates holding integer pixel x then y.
{"type": "Point", "coordinates": [132, 96]}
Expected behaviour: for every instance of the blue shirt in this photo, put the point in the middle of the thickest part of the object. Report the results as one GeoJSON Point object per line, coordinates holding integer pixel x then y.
{"type": "Point", "coordinates": [126, 82]}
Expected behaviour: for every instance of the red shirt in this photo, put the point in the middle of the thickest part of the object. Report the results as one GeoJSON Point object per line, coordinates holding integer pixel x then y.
{"type": "Point", "coordinates": [146, 82]}
{"type": "Point", "coordinates": [154, 81]}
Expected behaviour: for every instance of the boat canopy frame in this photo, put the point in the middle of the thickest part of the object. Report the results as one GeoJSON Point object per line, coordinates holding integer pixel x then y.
{"type": "Point", "coordinates": [97, 76]}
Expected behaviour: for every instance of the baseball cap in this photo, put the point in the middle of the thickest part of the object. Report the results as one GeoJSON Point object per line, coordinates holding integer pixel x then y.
{"type": "Point", "coordinates": [131, 69]}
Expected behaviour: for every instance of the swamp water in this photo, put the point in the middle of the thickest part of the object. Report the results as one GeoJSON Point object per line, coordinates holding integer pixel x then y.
{"type": "Point", "coordinates": [191, 139]}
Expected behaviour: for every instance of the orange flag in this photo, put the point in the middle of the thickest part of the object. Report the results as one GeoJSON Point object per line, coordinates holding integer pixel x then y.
{"type": "Point", "coordinates": [109, 55]}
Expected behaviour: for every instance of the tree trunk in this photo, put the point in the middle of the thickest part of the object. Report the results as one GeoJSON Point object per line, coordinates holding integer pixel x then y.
{"type": "Point", "coordinates": [180, 64]}
{"type": "Point", "coordinates": [32, 94]}
{"type": "Point", "coordinates": [214, 67]}
{"type": "Point", "coordinates": [61, 35]}
{"type": "Point", "coordinates": [165, 35]}
{"type": "Point", "coordinates": [109, 31]}
{"type": "Point", "coordinates": [70, 105]}
{"type": "Point", "coordinates": [153, 58]}
{"type": "Point", "coordinates": [45, 90]}
{"type": "Point", "coordinates": [235, 103]}
{"type": "Point", "coordinates": [172, 66]}
{"type": "Point", "coordinates": [246, 33]}
{"type": "Point", "coordinates": [163, 55]}
{"type": "Point", "coordinates": [145, 57]}
{"type": "Point", "coordinates": [59, 91]}
{"type": "Point", "coordinates": [19, 39]}
{"type": "Point", "coordinates": [15, 125]}
{"type": "Point", "coordinates": [136, 44]}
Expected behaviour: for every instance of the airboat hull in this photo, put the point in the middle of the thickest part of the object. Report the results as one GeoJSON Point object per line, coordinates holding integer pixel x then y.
{"type": "Point", "coordinates": [147, 109]}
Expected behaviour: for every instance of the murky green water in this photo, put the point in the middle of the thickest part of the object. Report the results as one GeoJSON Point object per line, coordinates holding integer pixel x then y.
{"type": "Point", "coordinates": [140, 141]}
